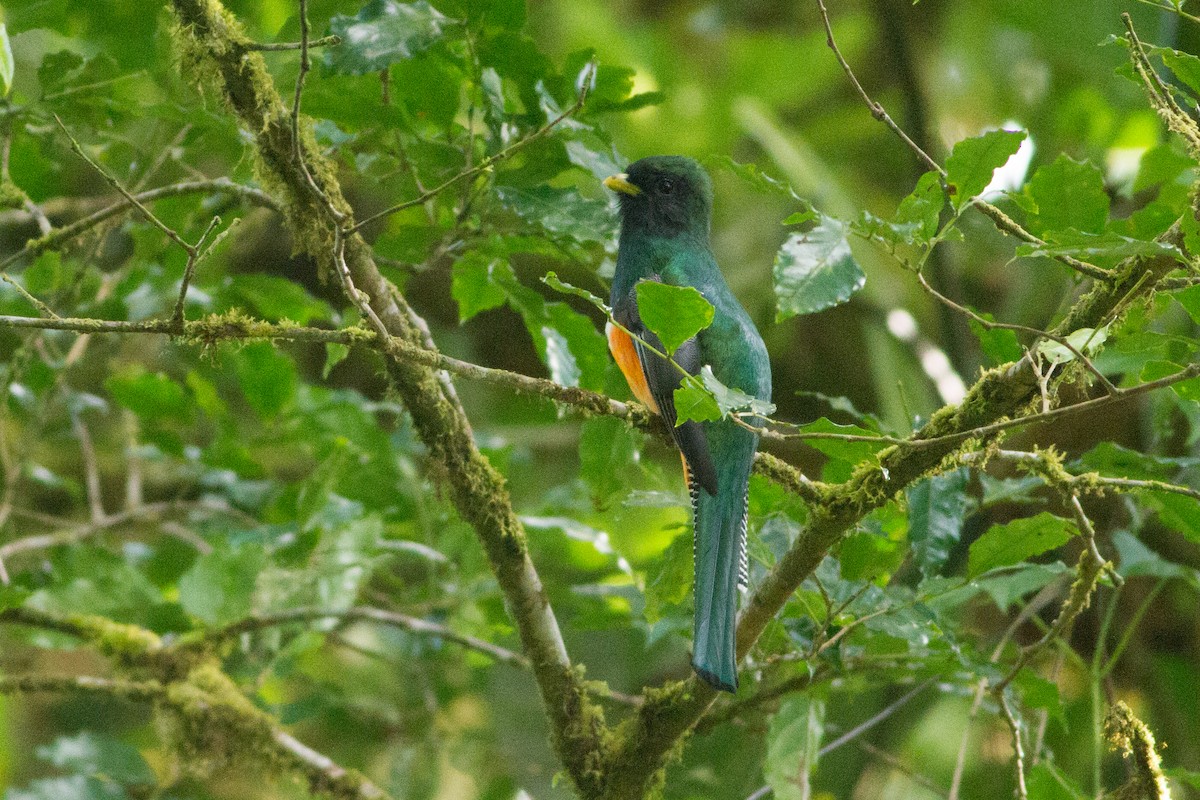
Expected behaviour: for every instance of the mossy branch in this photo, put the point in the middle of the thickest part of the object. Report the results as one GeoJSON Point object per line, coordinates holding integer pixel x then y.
{"type": "Point", "coordinates": [215, 50]}
{"type": "Point", "coordinates": [201, 711]}
{"type": "Point", "coordinates": [648, 740]}
{"type": "Point", "coordinates": [1135, 741]}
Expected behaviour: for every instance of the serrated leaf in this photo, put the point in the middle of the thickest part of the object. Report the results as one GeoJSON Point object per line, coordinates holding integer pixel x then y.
{"type": "Point", "coordinates": [382, 33]}
{"type": "Point", "coordinates": [937, 507]}
{"type": "Point", "coordinates": [561, 211]}
{"type": "Point", "coordinates": [1085, 340]}
{"type": "Point", "coordinates": [971, 164]}
{"type": "Point", "coordinates": [1105, 247]}
{"type": "Point", "coordinates": [693, 401]}
{"type": "Point", "coordinates": [552, 280]}
{"type": "Point", "coordinates": [754, 177]}
{"type": "Point", "coordinates": [793, 745]}
{"type": "Point", "coordinates": [1000, 345]}
{"type": "Point", "coordinates": [1069, 194]}
{"type": "Point", "coordinates": [1012, 543]}
{"type": "Point", "coordinates": [815, 270]}
{"type": "Point", "coordinates": [732, 400]}
{"type": "Point", "coordinates": [673, 313]}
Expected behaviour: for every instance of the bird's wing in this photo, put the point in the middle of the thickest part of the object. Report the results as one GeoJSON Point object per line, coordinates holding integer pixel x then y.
{"type": "Point", "coordinates": [660, 379]}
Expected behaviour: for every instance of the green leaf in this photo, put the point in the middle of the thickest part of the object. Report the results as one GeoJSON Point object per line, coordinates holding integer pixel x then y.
{"type": "Point", "coordinates": [382, 33]}
{"type": "Point", "coordinates": [1187, 389]}
{"type": "Point", "coordinates": [669, 581]}
{"type": "Point", "coordinates": [1085, 340]}
{"type": "Point", "coordinates": [1012, 543]}
{"type": "Point", "coordinates": [793, 745]}
{"type": "Point", "coordinates": [1000, 345]}
{"type": "Point", "coordinates": [693, 401]}
{"type": "Point", "coordinates": [335, 353]}
{"type": "Point", "coordinates": [561, 211]}
{"type": "Point", "coordinates": [1039, 693]}
{"type": "Point", "coordinates": [1161, 164]}
{"type": "Point", "coordinates": [1189, 298]}
{"type": "Point", "coordinates": [674, 313]}
{"type": "Point", "coordinates": [844, 456]}
{"type": "Point", "coordinates": [971, 164]}
{"type": "Point", "coordinates": [937, 507]}
{"type": "Point", "coordinates": [732, 400]}
{"type": "Point", "coordinates": [1185, 66]}
{"type": "Point", "coordinates": [268, 378]}
{"type": "Point", "coordinates": [473, 284]}
{"type": "Point", "coordinates": [918, 214]}
{"type": "Point", "coordinates": [6, 62]}
{"type": "Point", "coordinates": [815, 270]}
{"type": "Point", "coordinates": [1048, 783]}
{"type": "Point", "coordinates": [754, 177]}
{"type": "Point", "coordinates": [1104, 247]}
{"type": "Point", "coordinates": [608, 450]}
{"type": "Point", "coordinates": [1069, 194]}
{"type": "Point", "coordinates": [219, 587]}
{"type": "Point", "coordinates": [96, 754]}
{"type": "Point", "coordinates": [153, 396]}
{"type": "Point", "coordinates": [275, 298]}
{"type": "Point", "coordinates": [552, 280]}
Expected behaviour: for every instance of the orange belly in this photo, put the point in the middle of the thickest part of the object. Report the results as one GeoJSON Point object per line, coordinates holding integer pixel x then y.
{"type": "Point", "coordinates": [623, 350]}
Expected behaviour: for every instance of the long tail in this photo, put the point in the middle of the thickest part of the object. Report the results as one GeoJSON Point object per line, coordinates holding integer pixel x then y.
{"type": "Point", "coordinates": [720, 563]}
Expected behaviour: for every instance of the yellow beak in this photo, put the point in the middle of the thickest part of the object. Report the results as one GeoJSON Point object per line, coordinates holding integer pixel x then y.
{"type": "Point", "coordinates": [620, 183]}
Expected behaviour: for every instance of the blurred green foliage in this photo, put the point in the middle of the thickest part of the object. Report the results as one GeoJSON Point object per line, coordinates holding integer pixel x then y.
{"type": "Point", "coordinates": [185, 487]}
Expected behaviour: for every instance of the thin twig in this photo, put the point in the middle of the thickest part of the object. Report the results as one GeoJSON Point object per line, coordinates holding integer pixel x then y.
{"type": "Point", "coordinates": [332, 40]}
{"type": "Point", "coordinates": [860, 729]}
{"type": "Point", "coordinates": [167, 230]}
{"type": "Point", "coordinates": [491, 161]}
{"type": "Point", "coordinates": [60, 236]}
{"type": "Point", "coordinates": [1018, 748]}
{"type": "Point", "coordinates": [189, 271]}
{"type": "Point", "coordinates": [1001, 220]}
{"type": "Point", "coordinates": [368, 613]}
{"type": "Point", "coordinates": [901, 767]}
{"type": "Point", "coordinates": [1037, 333]}
{"type": "Point", "coordinates": [91, 470]}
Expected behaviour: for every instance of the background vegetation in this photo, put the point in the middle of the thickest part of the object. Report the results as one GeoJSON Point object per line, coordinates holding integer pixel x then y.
{"type": "Point", "coordinates": [250, 547]}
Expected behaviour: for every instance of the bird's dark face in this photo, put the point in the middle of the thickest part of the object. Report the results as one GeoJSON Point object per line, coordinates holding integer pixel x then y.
{"type": "Point", "coordinates": [664, 196]}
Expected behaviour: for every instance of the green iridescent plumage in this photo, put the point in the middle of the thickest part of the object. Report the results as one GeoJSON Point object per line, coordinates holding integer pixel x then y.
{"type": "Point", "coordinates": [666, 204]}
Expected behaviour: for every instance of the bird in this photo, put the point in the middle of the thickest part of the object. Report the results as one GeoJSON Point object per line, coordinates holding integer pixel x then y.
{"type": "Point", "coordinates": [665, 208]}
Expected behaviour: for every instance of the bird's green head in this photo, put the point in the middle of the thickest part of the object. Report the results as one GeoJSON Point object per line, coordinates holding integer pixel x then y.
{"type": "Point", "coordinates": [664, 196]}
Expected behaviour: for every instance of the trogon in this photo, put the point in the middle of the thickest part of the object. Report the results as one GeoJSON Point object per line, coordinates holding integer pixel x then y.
{"type": "Point", "coordinates": [665, 207]}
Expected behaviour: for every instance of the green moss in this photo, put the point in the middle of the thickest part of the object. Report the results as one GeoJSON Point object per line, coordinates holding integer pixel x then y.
{"type": "Point", "coordinates": [1135, 740]}
{"type": "Point", "coordinates": [11, 196]}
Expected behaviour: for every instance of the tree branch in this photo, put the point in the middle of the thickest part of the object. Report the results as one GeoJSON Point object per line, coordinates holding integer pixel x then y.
{"type": "Point", "coordinates": [369, 614]}
{"type": "Point", "coordinates": [211, 40]}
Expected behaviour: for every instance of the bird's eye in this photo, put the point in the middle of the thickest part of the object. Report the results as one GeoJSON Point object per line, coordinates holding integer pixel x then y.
{"type": "Point", "coordinates": [666, 185]}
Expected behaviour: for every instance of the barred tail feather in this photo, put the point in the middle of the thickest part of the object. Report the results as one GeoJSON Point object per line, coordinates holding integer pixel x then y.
{"type": "Point", "coordinates": [720, 564]}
